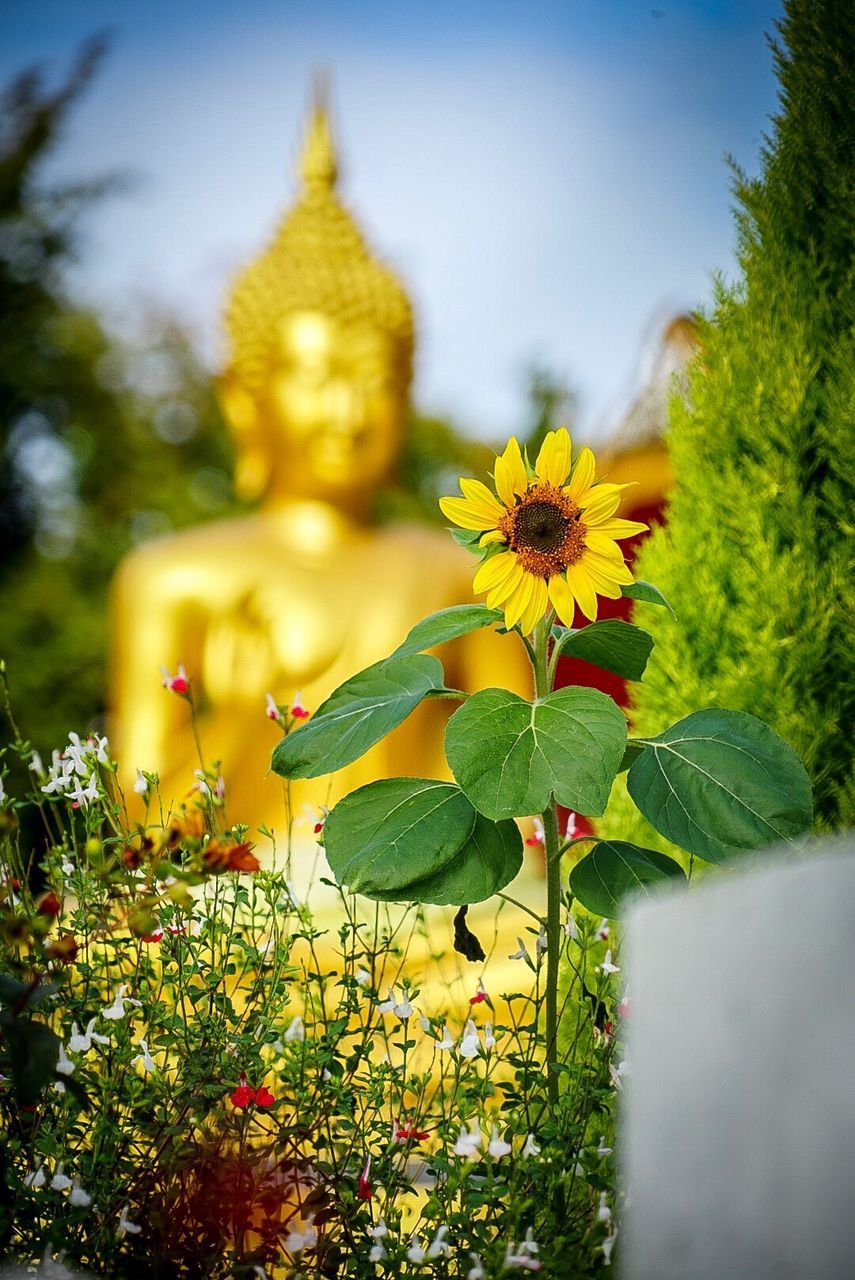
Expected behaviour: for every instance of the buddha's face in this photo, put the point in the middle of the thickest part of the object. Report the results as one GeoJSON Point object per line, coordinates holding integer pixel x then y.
{"type": "Point", "coordinates": [332, 407]}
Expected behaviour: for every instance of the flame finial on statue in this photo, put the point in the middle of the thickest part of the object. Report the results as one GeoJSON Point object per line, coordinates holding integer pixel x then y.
{"type": "Point", "coordinates": [318, 260]}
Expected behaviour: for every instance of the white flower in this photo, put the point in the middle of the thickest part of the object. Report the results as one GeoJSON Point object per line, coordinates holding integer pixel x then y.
{"type": "Point", "coordinates": [437, 1246]}
{"type": "Point", "coordinates": [402, 1009]}
{"type": "Point", "coordinates": [117, 1009]}
{"type": "Point", "coordinates": [424, 1023]}
{"type": "Point", "coordinates": [415, 1253]}
{"type": "Point", "coordinates": [36, 764]}
{"type": "Point", "coordinates": [145, 1058]}
{"type": "Point", "coordinates": [522, 954]}
{"type": "Point", "coordinates": [83, 1043]}
{"type": "Point", "coordinates": [141, 784]}
{"type": "Point", "coordinates": [469, 1142]}
{"type": "Point", "coordinates": [571, 929]}
{"type": "Point", "coordinates": [603, 1150]}
{"type": "Point", "coordinates": [78, 1197]}
{"type": "Point", "coordinates": [64, 1065]}
{"type": "Point", "coordinates": [530, 1147]}
{"type": "Point", "coordinates": [470, 1045]}
{"type": "Point", "coordinates": [53, 1268]}
{"type": "Point", "coordinates": [476, 1271]}
{"type": "Point", "coordinates": [524, 1257]}
{"type": "Point", "coordinates": [379, 1231]}
{"type": "Point", "coordinates": [67, 868]}
{"type": "Point", "coordinates": [377, 1253]}
{"type": "Point", "coordinates": [608, 1244]}
{"type": "Point", "coordinates": [489, 1038]}
{"type": "Point", "coordinates": [58, 1086]}
{"type": "Point", "coordinates": [201, 782]}
{"type": "Point", "coordinates": [604, 1213]}
{"type": "Point", "coordinates": [59, 1182]}
{"type": "Point", "coordinates": [35, 1179]}
{"type": "Point", "coordinates": [497, 1147]}
{"type": "Point", "coordinates": [446, 1042]}
{"type": "Point", "coordinates": [126, 1227]}
{"type": "Point", "coordinates": [84, 796]}
{"type": "Point", "coordinates": [603, 930]}
{"type": "Point", "coordinates": [542, 943]}
{"type": "Point", "coordinates": [607, 966]}
{"type": "Point", "coordinates": [570, 829]}
{"type": "Point", "coordinates": [618, 1073]}
{"type": "Point", "coordinates": [363, 977]}
{"type": "Point", "coordinates": [271, 710]}
{"type": "Point", "coordinates": [298, 1238]}
{"type": "Point", "coordinates": [295, 1030]}
{"type": "Point", "coordinates": [101, 748]}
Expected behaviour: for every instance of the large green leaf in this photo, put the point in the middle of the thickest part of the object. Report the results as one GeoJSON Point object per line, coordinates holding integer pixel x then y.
{"type": "Point", "coordinates": [33, 1053]}
{"type": "Point", "coordinates": [511, 756]}
{"type": "Point", "coordinates": [391, 833]}
{"type": "Point", "coordinates": [446, 624]}
{"type": "Point", "coordinates": [719, 783]}
{"type": "Point", "coordinates": [357, 715]}
{"type": "Point", "coordinates": [489, 859]}
{"type": "Point", "coordinates": [615, 646]}
{"type": "Point", "coordinates": [648, 593]}
{"type": "Point", "coordinates": [614, 871]}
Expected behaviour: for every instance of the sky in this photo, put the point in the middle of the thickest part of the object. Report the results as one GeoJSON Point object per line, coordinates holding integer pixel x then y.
{"type": "Point", "coordinates": [549, 177]}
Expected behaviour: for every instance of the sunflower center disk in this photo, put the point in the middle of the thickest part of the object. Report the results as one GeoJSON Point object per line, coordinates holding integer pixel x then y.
{"type": "Point", "coordinates": [544, 531]}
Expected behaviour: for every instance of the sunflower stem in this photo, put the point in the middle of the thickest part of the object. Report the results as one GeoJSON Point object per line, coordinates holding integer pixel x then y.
{"type": "Point", "coordinates": [542, 687]}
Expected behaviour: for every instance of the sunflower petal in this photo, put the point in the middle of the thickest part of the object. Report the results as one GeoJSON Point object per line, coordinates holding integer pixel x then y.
{"type": "Point", "coordinates": [553, 460]}
{"type": "Point", "coordinates": [493, 572]}
{"type": "Point", "coordinates": [489, 538]}
{"type": "Point", "coordinates": [509, 473]}
{"type": "Point", "coordinates": [536, 608]}
{"type": "Point", "coordinates": [477, 493]}
{"type": "Point", "coordinates": [498, 595]}
{"type": "Point", "coordinates": [622, 528]}
{"type": "Point", "coordinates": [516, 606]}
{"type": "Point", "coordinates": [600, 502]}
{"type": "Point", "coordinates": [466, 514]}
{"type": "Point", "coordinates": [602, 583]}
{"type": "Point", "coordinates": [582, 477]}
{"type": "Point", "coordinates": [562, 599]}
{"type": "Point", "coordinates": [605, 566]}
{"type": "Point", "coordinates": [580, 584]}
{"type": "Point", "coordinates": [597, 541]}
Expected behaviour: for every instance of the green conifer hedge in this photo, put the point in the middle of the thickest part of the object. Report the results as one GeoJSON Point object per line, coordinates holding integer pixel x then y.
{"type": "Point", "coordinates": [756, 555]}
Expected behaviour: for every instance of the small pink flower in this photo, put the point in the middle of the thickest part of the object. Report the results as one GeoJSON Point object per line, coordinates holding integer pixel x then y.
{"type": "Point", "coordinates": [272, 710]}
{"type": "Point", "coordinates": [480, 995]}
{"type": "Point", "coordinates": [179, 683]}
{"type": "Point", "coordinates": [298, 711]}
{"type": "Point", "coordinates": [625, 1007]}
{"type": "Point", "coordinates": [538, 837]}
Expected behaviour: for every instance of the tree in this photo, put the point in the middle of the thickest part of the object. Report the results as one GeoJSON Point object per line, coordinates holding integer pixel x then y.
{"type": "Point", "coordinates": [754, 558]}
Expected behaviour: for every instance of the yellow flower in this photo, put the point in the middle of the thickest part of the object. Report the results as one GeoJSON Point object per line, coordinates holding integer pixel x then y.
{"type": "Point", "coordinates": [557, 532]}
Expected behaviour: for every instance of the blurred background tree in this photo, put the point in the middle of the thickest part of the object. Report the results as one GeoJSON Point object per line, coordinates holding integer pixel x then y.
{"type": "Point", "coordinates": [106, 442]}
{"type": "Point", "coordinates": [756, 554]}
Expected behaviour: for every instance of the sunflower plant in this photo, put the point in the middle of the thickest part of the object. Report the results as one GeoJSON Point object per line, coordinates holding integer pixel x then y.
{"type": "Point", "coordinates": [717, 784]}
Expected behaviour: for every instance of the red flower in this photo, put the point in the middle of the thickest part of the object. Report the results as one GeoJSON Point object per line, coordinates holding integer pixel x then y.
{"type": "Point", "coordinates": [480, 995]}
{"type": "Point", "coordinates": [364, 1191]}
{"type": "Point", "coordinates": [409, 1133]}
{"type": "Point", "coordinates": [264, 1098]}
{"type": "Point", "coordinates": [179, 683]}
{"type": "Point", "coordinates": [49, 904]}
{"type": "Point", "coordinates": [244, 1095]}
{"type": "Point", "coordinates": [153, 937]}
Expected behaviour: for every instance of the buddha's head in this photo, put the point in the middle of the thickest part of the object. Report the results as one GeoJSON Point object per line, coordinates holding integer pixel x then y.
{"type": "Point", "coordinates": [321, 352]}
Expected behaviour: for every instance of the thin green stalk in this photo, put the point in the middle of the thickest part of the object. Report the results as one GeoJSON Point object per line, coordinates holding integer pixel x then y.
{"type": "Point", "coordinates": [542, 683]}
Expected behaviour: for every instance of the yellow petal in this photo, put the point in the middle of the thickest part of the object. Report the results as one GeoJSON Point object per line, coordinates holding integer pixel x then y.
{"type": "Point", "coordinates": [562, 599]}
{"type": "Point", "coordinates": [489, 538]}
{"type": "Point", "coordinates": [584, 470]}
{"type": "Point", "coordinates": [621, 528]}
{"type": "Point", "coordinates": [509, 473]}
{"type": "Point", "coordinates": [497, 597]}
{"type": "Point", "coordinates": [553, 460]}
{"type": "Point", "coordinates": [600, 502]}
{"type": "Point", "coordinates": [518, 603]}
{"type": "Point", "coordinates": [493, 572]}
{"type": "Point", "coordinates": [597, 541]}
{"type": "Point", "coordinates": [466, 514]}
{"type": "Point", "coordinates": [583, 589]}
{"type": "Point", "coordinates": [614, 570]}
{"type": "Point", "coordinates": [478, 494]}
{"type": "Point", "coordinates": [601, 582]}
{"type": "Point", "coordinates": [536, 608]}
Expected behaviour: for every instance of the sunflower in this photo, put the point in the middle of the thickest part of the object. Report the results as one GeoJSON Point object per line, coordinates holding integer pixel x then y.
{"type": "Point", "coordinates": [550, 540]}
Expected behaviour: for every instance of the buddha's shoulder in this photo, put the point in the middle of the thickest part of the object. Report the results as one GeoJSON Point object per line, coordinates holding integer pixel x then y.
{"type": "Point", "coordinates": [195, 548]}
{"type": "Point", "coordinates": [418, 540]}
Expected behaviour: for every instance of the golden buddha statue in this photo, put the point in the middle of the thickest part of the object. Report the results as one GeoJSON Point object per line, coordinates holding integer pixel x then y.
{"type": "Point", "coordinates": [305, 591]}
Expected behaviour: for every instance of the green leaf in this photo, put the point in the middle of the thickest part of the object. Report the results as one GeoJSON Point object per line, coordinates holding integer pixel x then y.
{"type": "Point", "coordinates": [446, 624]}
{"type": "Point", "coordinates": [648, 593]}
{"type": "Point", "coordinates": [392, 833]}
{"type": "Point", "coordinates": [14, 993]}
{"type": "Point", "coordinates": [720, 783]}
{"type": "Point", "coordinates": [511, 756]}
{"type": "Point", "coordinates": [487, 861]}
{"type": "Point", "coordinates": [33, 1054]}
{"type": "Point", "coordinates": [631, 754]}
{"type": "Point", "coordinates": [619, 647]}
{"type": "Point", "coordinates": [357, 715]}
{"type": "Point", "coordinates": [468, 538]}
{"type": "Point", "coordinates": [615, 870]}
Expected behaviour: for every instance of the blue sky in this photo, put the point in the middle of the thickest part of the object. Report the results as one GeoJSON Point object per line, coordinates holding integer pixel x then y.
{"type": "Point", "coordinates": [548, 177]}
